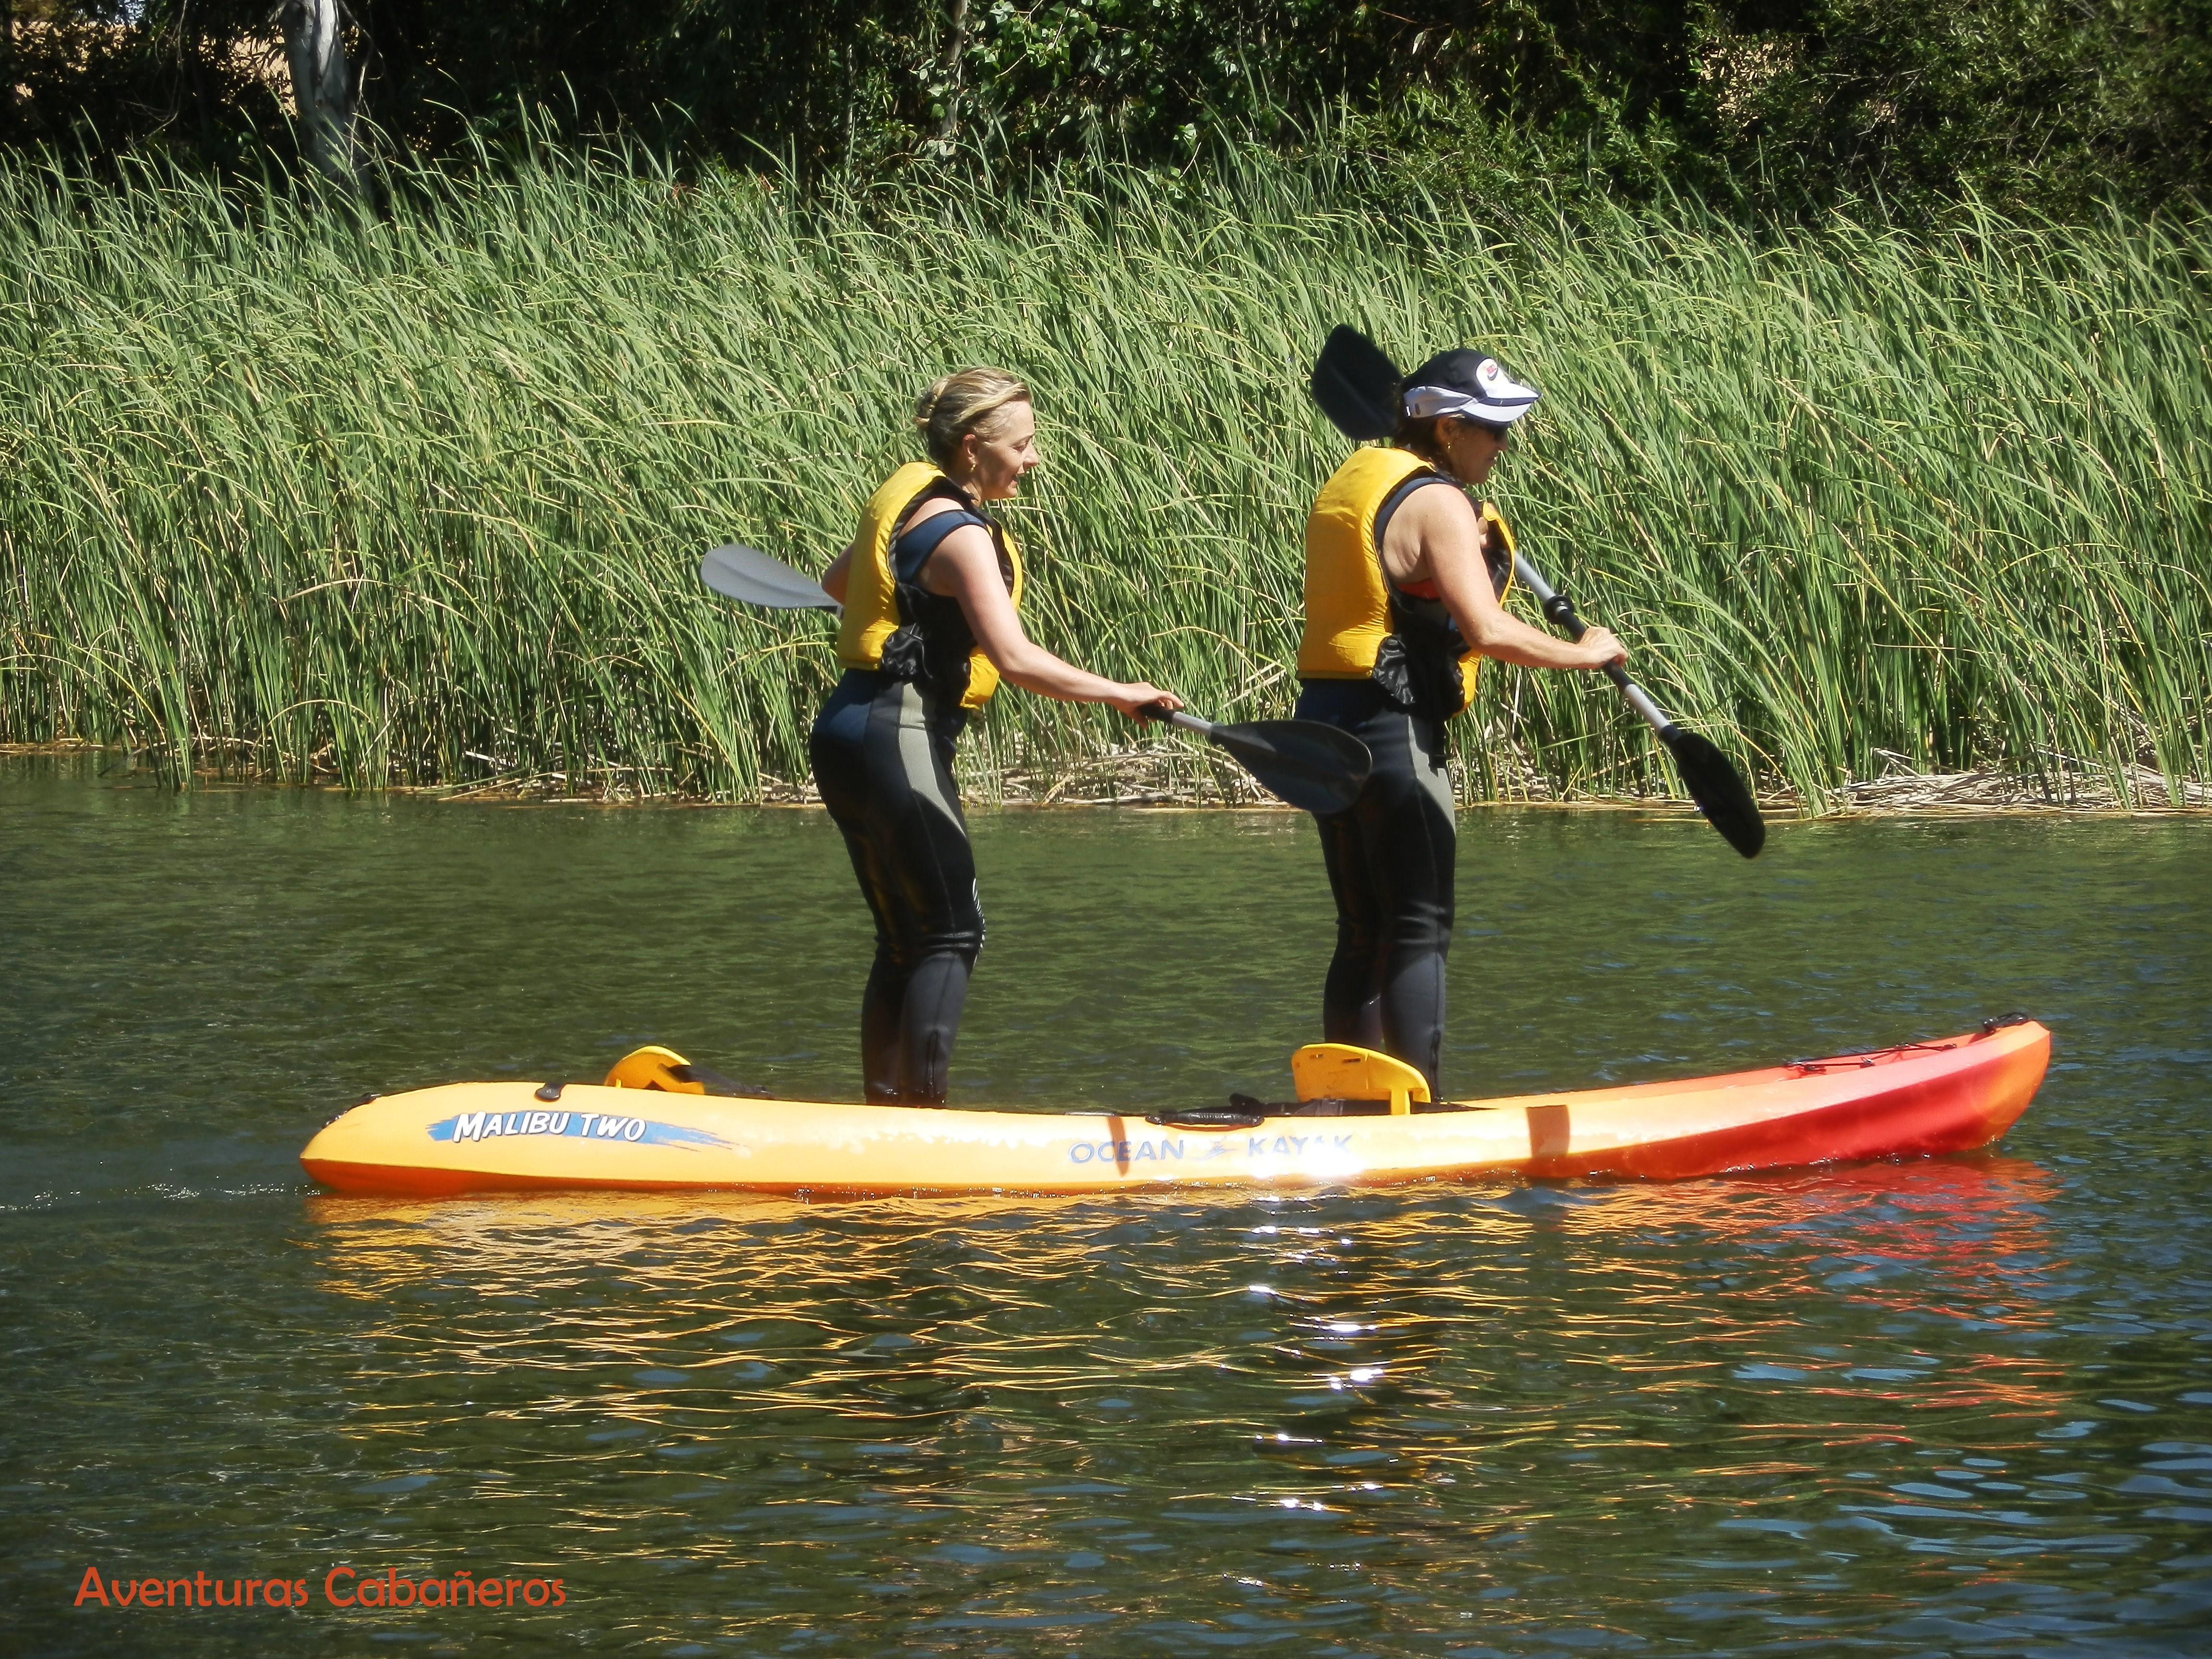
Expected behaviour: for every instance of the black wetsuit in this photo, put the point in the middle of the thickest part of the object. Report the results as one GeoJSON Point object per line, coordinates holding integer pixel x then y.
{"type": "Point", "coordinates": [882, 749]}
{"type": "Point", "coordinates": [1390, 859]}
{"type": "Point", "coordinates": [1392, 855]}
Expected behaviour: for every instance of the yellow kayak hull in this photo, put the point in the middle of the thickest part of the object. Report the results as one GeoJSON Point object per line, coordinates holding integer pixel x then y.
{"type": "Point", "coordinates": [1919, 1099]}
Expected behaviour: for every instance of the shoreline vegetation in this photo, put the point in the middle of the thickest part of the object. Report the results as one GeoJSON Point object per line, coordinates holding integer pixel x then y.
{"type": "Point", "coordinates": [415, 497]}
{"type": "Point", "coordinates": [1166, 776]}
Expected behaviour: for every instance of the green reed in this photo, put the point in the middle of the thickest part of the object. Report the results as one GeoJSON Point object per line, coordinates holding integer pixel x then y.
{"type": "Point", "coordinates": [419, 496]}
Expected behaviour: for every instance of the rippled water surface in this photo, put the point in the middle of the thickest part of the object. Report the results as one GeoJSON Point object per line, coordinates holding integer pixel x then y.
{"type": "Point", "coordinates": [1955, 1406]}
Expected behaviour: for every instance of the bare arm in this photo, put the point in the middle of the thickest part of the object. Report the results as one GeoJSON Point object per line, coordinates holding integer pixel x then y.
{"type": "Point", "coordinates": [839, 572]}
{"type": "Point", "coordinates": [965, 566]}
{"type": "Point", "coordinates": [1446, 534]}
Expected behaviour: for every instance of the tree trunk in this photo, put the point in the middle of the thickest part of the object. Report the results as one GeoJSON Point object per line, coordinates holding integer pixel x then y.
{"type": "Point", "coordinates": [321, 87]}
{"type": "Point", "coordinates": [948, 123]}
{"type": "Point", "coordinates": [7, 70]}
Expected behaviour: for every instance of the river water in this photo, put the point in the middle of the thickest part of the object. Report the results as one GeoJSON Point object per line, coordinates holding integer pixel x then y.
{"type": "Point", "coordinates": [1953, 1406]}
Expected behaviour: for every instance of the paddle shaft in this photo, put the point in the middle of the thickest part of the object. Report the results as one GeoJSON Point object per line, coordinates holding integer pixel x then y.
{"type": "Point", "coordinates": [1227, 736]}
{"type": "Point", "coordinates": [1311, 766]}
{"type": "Point", "coordinates": [1189, 722]}
{"type": "Point", "coordinates": [1561, 612]}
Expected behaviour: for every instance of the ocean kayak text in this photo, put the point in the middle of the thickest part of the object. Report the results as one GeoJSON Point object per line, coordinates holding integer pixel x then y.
{"type": "Point", "coordinates": [1139, 1151]}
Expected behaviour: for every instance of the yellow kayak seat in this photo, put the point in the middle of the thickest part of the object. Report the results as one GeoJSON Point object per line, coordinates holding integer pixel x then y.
{"type": "Point", "coordinates": [1337, 1071]}
{"type": "Point", "coordinates": [651, 1067]}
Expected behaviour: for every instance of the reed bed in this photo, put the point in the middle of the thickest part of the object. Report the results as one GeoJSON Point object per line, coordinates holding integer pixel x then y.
{"type": "Point", "coordinates": [293, 490]}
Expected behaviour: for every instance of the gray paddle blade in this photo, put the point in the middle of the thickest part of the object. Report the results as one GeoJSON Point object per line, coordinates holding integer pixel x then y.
{"type": "Point", "coordinates": [748, 574]}
{"type": "Point", "coordinates": [1718, 789]}
{"type": "Point", "coordinates": [1311, 766]}
{"type": "Point", "coordinates": [1355, 385]}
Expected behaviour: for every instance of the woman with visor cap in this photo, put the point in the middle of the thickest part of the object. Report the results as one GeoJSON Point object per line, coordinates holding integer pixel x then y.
{"type": "Point", "coordinates": [1404, 583]}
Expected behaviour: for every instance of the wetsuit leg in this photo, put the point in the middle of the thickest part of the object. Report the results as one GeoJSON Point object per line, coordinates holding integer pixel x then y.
{"type": "Point", "coordinates": [886, 777]}
{"type": "Point", "coordinates": [1351, 1000]}
{"type": "Point", "coordinates": [1391, 858]}
{"type": "Point", "coordinates": [841, 777]}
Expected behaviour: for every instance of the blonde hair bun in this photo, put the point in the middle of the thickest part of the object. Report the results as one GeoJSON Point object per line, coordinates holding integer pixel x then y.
{"type": "Point", "coordinates": [957, 405]}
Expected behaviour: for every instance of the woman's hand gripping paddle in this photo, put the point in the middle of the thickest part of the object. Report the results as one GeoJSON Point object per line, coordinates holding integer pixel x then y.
{"type": "Point", "coordinates": [1357, 387]}
{"type": "Point", "coordinates": [1315, 768]}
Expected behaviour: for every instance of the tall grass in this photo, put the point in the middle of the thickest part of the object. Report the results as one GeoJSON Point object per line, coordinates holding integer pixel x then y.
{"type": "Point", "coordinates": [420, 497]}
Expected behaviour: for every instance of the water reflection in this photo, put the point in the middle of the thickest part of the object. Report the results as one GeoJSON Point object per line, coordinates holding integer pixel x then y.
{"type": "Point", "coordinates": [994, 1413]}
{"type": "Point", "coordinates": [1332, 1330]}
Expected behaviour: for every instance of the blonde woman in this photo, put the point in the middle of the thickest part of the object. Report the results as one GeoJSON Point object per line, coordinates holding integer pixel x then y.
{"type": "Point", "coordinates": [932, 587]}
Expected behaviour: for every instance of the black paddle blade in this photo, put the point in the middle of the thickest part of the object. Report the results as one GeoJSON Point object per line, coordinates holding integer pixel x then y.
{"type": "Point", "coordinates": [1313, 766]}
{"type": "Point", "coordinates": [1356, 386]}
{"type": "Point", "coordinates": [1718, 789]}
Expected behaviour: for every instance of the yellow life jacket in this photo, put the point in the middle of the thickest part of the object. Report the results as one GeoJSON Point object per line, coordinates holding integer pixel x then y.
{"type": "Point", "coordinates": [1348, 600]}
{"type": "Point", "coordinates": [871, 607]}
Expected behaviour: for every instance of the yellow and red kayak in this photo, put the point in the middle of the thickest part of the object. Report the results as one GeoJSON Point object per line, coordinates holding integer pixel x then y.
{"type": "Point", "coordinates": [1361, 1118]}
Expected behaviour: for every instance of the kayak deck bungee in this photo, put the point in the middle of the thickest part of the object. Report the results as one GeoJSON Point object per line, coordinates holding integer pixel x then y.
{"type": "Point", "coordinates": [1362, 1118]}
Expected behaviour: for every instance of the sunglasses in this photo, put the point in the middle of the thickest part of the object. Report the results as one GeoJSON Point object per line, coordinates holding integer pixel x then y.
{"type": "Point", "coordinates": [1504, 434]}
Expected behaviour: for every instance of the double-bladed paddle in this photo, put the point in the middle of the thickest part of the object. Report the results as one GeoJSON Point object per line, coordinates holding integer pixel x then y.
{"type": "Point", "coordinates": [1357, 387]}
{"type": "Point", "coordinates": [1313, 766]}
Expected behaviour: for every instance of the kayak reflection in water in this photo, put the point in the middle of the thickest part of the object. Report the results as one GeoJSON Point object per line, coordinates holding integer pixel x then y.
{"type": "Point", "coordinates": [1403, 591]}
{"type": "Point", "coordinates": [931, 585]}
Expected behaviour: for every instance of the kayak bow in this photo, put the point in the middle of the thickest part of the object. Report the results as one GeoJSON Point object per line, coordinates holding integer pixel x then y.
{"type": "Point", "coordinates": [651, 1128]}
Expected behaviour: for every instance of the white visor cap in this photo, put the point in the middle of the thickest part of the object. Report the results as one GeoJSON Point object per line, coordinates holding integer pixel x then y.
{"type": "Point", "coordinates": [1468, 384]}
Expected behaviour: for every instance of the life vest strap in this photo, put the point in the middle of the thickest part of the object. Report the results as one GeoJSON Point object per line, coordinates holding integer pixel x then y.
{"type": "Point", "coordinates": [911, 551]}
